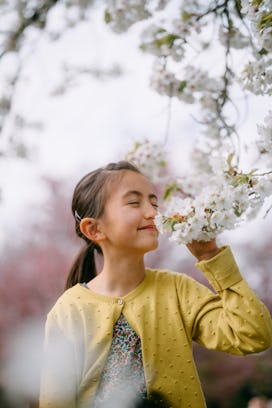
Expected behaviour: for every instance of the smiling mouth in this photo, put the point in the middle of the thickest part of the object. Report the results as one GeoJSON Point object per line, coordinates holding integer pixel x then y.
{"type": "Point", "coordinates": [148, 227]}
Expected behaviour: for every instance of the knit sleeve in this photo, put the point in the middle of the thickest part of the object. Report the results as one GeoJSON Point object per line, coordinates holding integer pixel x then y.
{"type": "Point", "coordinates": [58, 377]}
{"type": "Point", "coordinates": [232, 320]}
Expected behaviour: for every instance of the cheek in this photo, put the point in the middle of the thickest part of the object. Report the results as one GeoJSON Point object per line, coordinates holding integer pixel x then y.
{"type": "Point", "coordinates": [133, 218]}
{"type": "Point", "coordinates": [124, 222]}
{"type": "Point", "coordinates": [130, 223]}
{"type": "Point", "coordinates": [127, 224]}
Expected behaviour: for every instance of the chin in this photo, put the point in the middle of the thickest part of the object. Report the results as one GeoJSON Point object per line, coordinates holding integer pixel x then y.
{"type": "Point", "coordinates": [153, 246]}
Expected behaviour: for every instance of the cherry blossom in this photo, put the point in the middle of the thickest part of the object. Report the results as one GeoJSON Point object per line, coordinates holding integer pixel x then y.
{"type": "Point", "coordinates": [150, 158]}
{"type": "Point", "coordinates": [201, 207]}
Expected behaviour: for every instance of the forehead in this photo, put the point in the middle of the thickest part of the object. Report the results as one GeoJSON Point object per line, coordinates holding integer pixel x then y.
{"type": "Point", "coordinates": [131, 181]}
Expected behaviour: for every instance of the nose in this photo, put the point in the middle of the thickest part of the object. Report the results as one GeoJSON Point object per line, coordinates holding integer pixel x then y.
{"type": "Point", "coordinates": [150, 211]}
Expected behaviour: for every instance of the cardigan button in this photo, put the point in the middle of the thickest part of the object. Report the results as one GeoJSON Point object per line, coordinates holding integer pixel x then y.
{"type": "Point", "coordinates": [120, 301]}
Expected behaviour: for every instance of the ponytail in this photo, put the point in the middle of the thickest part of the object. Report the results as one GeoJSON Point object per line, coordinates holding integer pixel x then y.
{"type": "Point", "coordinates": [83, 269]}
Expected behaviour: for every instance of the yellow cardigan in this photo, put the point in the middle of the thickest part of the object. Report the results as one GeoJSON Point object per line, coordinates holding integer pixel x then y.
{"type": "Point", "coordinates": [168, 310]}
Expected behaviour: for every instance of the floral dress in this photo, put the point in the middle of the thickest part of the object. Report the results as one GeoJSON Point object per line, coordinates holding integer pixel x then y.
{"type": "Point", "coordinates": [123, 374]}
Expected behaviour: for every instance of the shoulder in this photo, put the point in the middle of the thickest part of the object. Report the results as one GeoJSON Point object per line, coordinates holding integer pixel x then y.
{"type": "Point", "coordinates": [166, 276]}
{"type": "Point", "coordinates": [74, 309]}
{"type": "Point", "coordinates": [71, 301]}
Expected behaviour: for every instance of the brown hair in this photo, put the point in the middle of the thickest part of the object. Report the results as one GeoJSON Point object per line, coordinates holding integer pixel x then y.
{"type": "Point", "coordinates": [89, 199]}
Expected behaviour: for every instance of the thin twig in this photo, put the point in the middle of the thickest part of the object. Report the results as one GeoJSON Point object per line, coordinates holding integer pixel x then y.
{"type": "Point", "coordinates": [262, 174]}
{"type": "Point", "coordinates": [267, 211]}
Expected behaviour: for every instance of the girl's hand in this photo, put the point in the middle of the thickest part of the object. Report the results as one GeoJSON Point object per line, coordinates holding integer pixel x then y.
{"type": "Point", "coordinates": [203, 250]}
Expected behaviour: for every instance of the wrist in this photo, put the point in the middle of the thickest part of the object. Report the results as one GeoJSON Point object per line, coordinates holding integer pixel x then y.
{"type": "Point", "coordinates": [208, 254]}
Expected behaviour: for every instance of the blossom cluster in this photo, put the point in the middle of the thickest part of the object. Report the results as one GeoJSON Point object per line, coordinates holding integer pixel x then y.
{"type": "Point", "coordinates": [149, 158]}
{"type": "Point", "coordinates": [195, 209]}
{"type": "Point", "coordinates": [233, 37]}
{"type": "Point", "coordinates": [231, 199]}
{"type": "Point", "coordinates": [264, 143]}
{"type": "Point", "coordinates": [122, 14]}
{"type": "Point", "coordinates": [260, 17]}
{"type": "Point", "coordinates": [193, 30]}
{"type": "Point", "coordinates": [196, 84]}
{"type": "Point", "coordinates": [257, 76]}
{"type": "Point", "coordinates": [158, 41]}
{"type": "Point", "coordinates": [257, 73]}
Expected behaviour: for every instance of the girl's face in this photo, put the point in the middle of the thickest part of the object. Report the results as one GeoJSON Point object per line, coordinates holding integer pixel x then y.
{"type": "Point", "coordinates": [128, 218]}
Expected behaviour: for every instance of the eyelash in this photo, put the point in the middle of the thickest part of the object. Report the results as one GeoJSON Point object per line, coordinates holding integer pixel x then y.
{"type": "Point", "coordinates": [137, 203]}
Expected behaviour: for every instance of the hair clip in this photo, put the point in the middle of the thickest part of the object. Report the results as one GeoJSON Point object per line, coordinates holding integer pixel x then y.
{"type": "Point", "coordinates": [77, 217]}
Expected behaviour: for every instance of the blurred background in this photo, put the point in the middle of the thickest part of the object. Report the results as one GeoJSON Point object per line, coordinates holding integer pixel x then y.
{"type": "Point", "coordinates": [81, 99]}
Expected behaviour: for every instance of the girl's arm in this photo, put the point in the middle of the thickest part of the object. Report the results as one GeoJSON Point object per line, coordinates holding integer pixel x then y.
{"type": "Point", "coordinates": [234, 319]}
{"type": "Point", "coordinates": [203, 250]}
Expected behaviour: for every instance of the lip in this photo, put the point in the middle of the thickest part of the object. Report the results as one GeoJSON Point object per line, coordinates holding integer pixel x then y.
{"type": "Point", "coordinates": [150, 227]}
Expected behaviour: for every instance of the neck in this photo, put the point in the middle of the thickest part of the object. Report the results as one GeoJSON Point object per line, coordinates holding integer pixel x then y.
{"type": "Point", "coordinates": [119, 276]}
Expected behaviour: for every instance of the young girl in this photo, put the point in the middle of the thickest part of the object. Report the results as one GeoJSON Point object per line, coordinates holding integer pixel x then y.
{"type": "Point", "coordinates": [124, 336]}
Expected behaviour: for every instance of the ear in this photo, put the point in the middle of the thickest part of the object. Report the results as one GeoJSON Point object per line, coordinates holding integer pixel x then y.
{"type": "Point", "coordinates": [89, 227]}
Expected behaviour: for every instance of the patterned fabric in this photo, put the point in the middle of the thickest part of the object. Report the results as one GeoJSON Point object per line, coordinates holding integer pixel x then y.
{"type": "Point", "coordinates": [123, 371]}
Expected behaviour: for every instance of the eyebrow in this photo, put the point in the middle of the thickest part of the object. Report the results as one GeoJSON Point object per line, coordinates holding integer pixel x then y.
{"type": "Point", "coordinates": [139, 194]}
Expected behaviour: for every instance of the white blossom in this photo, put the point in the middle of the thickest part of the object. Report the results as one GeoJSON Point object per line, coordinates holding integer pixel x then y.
{"type": "Point", "coordinates": [233, 38]}
{"type": "Point", "coordinates": [230, 198]}
{"type": "Point", "coordinates": [256, 77]}
{"type": "Point", "coordinates": [194, 84]}
{"type": "Point", "coordinates": [263, 188]}
{"type": "Point", "coordinates": [194, 6]}
{"type": "Point", "coordinates": [158, 41]}
{"type": "Point", "coordinates": [187, 25]}
{"type": "Point", "coordinates": [121, 14]}
{"type": "Point", "coordinates": [260, 19]}
{"type": "Point", "coordinates": [265, 132]}
{"type": "Point", "coordinates": [149, 158]}
{"type": "Point", "coordinates": [166, 83]}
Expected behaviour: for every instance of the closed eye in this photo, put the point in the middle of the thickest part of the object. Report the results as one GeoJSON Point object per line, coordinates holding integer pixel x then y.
{"type": "Point", "coordinates": [138, 203]}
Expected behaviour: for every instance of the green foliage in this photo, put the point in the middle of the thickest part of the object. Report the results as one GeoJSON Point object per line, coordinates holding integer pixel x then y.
{"type": "Point", "coordinates": [185, 16]}
{"type": "Point", "coordinates": [172, 221]}
{"type": "Point", "coordinates": [170, 189]}
{"type": "Point", "coordinates": [230, 158]}
{"type": "Point", "coordinates": [238, 5]}
{"type": "Point", "coordinates": [168, 39]}
{"type": "Point", "coordinates": [107, 17]}
{"type": "Point", "coordinates": [182, 86]}
{"type": "Point", "coordinates": [256, 3]}
{"type": "Point", "coordinates": [263, 51]}
{"type": "Point", "coordinates": [265, 22]}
